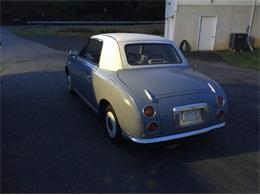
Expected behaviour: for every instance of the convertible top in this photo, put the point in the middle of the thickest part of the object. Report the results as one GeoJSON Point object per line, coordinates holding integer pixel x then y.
{"type": "Point", "coordinates": [113, 55]}
{"type": "Point", "coordinates": [127, 37]}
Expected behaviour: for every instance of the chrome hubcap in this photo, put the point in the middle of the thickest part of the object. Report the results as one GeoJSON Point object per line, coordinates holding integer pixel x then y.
{"type": "Point", "coordinates": [111, 124]}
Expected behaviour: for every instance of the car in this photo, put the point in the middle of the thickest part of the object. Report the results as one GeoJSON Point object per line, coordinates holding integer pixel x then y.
{"type": "Point", "coordinates": [144, 88]}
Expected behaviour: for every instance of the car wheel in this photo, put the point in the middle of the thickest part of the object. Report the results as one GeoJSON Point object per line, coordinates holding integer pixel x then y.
{"type": "Point", "coordinates": [112, 126]}
{"type": "Point", "coordinates": [70, 88]}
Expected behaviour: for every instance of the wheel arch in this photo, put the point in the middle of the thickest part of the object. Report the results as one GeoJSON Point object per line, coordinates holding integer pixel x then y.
{"type": "Point", "coordinates": [126, 111]}
{"type": "Point", "coordinates": [103, 103]}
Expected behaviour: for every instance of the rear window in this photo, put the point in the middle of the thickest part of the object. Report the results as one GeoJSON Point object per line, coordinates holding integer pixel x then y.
{"type": "Point", "coordinates": [151, 53]}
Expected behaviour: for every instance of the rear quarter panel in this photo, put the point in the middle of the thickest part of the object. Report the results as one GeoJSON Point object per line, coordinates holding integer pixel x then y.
{"type": "Point", "coordinates": [108, 87]}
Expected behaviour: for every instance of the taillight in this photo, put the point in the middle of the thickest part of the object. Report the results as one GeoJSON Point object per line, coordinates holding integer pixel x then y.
{"type": "Point", "coordinates": [152, 126]}
{"type": "Point", "coordinates": [149, 111]}
{"type": "Point", "coordinates": [220, 101]}
{"type": "Point", "coordinates": [220, 114]}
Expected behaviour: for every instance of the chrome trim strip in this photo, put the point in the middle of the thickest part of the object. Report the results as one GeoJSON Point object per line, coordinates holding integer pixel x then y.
{"type": "Point", "coordinates": [190, 107]}
{"type": "Point", "coordinates": [176, 136]}
{"type": "Point", "coordinates": [212, 88]}
{"type": "Point", "coordinates": [148, 95]}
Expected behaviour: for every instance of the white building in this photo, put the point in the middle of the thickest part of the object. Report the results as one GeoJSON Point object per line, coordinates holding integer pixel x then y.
{"type": "Point", "coordinates": [207, 24]}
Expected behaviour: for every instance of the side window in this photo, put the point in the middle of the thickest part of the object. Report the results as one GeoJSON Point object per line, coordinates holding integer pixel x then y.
{"type": "Point", "coordinates": [92, 51]}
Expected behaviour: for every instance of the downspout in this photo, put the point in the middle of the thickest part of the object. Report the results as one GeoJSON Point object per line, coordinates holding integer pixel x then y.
{"type": "Point", "coordinates": [170, 14]}
{"type": "Point", "coordinates": [250, 26]}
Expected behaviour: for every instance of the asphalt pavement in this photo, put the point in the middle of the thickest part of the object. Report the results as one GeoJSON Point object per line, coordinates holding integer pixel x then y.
{"type": "Point", "coordinates": [52, 143]}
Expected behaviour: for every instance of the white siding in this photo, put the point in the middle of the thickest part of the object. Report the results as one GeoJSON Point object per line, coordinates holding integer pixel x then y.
{"type": "Point", "coordinates": [231, 19]}
{"type": "Point", "coordinates": [217, 2]}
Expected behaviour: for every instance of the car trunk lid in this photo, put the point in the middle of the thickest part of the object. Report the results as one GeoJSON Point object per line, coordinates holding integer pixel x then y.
{"type": "Point", "coordinates": [163, 82]}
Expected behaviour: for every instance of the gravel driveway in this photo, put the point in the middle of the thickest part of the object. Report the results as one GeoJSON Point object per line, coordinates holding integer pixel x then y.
{"type": "Point", "coordinates": [52, 143]}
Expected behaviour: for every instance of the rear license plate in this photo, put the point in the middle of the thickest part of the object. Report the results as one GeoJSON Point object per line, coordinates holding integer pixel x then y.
{"type": "Point", "coordinates": [191, 117]}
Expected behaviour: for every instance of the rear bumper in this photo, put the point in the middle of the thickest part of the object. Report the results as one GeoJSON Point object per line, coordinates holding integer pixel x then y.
{"type": "Point", "coordinates": [176, 136]}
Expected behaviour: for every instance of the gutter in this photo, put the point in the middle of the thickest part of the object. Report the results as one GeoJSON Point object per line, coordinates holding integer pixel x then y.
{"type": "Point", "coordinates": [250, 26]}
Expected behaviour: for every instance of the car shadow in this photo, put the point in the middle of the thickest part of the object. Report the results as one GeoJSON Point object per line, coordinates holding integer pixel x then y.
{"type": "Point", "coordinates": [53, 143]}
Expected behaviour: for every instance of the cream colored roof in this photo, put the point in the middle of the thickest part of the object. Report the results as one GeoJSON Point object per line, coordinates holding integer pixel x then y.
{"type": "Point", "coordinates": [113, 56]}
{"type": "Point", "coordinates": [128, 37]}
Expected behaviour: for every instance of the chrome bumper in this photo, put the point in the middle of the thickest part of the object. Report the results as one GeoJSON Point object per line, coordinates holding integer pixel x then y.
{"type": "Point", "coordinates": [176, 136]}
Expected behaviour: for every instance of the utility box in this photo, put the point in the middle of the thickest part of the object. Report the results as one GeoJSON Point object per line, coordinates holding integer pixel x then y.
{"type": "Point", "coordinates": [238, 41]}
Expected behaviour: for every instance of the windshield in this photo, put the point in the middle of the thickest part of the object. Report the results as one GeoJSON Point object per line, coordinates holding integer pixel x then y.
{"type": "Point", "coordinates": [151, 53]}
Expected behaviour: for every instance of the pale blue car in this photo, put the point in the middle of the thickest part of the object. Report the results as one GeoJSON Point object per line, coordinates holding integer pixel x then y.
{"type": "Point", "coordinates": [144, 88]}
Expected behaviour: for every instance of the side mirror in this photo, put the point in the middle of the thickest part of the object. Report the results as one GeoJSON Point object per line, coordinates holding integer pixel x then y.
{"type": "Point", "coordinates": [73, 52]}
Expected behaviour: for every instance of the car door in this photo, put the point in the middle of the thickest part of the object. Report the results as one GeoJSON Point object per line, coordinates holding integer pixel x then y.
{"type": "Point", "coordinates": [88, 61]}
{"type": "Point", "coordinates": [74, 70]}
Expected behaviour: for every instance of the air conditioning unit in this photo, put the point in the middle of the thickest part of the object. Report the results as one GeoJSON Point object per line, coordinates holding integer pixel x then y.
{"type": "Point", "coordinates": [238, 41]}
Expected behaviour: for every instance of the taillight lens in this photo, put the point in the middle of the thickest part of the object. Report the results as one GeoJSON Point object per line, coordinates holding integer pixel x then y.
{"type": "Point", "coordinates": [220, 114]}
{"type": "Point", "coordinates": [149, 111]}
{"type": "Point", "coordinates": [152, 126]}
{"type": "Point", "coordinates": [220, 101]}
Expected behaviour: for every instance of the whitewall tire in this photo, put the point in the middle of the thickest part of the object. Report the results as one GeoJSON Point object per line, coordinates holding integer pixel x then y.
{"type": "Point", "coordinates": [112, 127]}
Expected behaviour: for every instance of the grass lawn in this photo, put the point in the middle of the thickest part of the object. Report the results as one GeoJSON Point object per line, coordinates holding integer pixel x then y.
{"type": "Point", "coordinates": [245, 59]}
{"type": "Point", "coordinates": [34, 30]}
{"type": "Point", "coordinates": [86, 30]}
